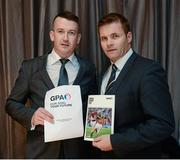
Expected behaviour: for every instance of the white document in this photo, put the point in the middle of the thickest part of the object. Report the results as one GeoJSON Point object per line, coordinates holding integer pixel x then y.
{"type": "Point", "coordinates": [65, 104]}
{"type": "Point", "coordinates": [100, 116]}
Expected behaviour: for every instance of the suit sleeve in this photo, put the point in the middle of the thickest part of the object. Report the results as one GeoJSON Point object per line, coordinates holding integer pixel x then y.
{"type": "Point", "coordinates": [15, 104]}
{"type": "Point", "coordinates": [158, 121]}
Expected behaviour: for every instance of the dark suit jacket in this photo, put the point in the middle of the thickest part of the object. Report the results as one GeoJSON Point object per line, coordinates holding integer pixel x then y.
{"type": "Point", "coordinates": [32, 83]}
{"type": "Point", "coordinates": [143, 110]}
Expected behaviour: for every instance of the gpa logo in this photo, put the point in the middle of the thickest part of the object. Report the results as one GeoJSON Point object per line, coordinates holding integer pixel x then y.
{"type": "Point", "coordinates": [64, 97]}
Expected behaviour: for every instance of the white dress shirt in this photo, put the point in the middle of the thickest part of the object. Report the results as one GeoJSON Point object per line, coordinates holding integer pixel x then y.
{"type": "Point", "coordinates": [54, 65]}
{"type": "Point", "coordinates": [119, 64]}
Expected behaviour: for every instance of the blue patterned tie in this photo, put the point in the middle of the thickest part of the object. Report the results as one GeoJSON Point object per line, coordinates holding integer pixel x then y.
{"type": "Point", "coordinates": [112, 77]}
{"type": "Point", "coordinates": [63, 77]}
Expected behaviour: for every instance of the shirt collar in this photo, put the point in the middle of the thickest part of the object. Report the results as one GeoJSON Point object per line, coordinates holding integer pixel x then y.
{"type": "Point", "coordinates": [54, 57]}
{"type": "Point", "coordinates": [121, 62]}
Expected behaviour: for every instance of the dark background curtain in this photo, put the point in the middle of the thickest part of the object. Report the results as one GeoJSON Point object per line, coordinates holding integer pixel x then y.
{"type": "Point", "coordinates": [24, 32]}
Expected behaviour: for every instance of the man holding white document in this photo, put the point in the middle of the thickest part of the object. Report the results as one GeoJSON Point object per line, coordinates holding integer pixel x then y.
{"type": "Point", "coordinates": [39, 76]}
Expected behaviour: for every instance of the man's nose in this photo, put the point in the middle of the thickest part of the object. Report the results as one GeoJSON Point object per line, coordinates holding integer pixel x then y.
{"type": "Point", "coordinates": [65, 38]}
{"type": "Point", "coordinates": [109, 42]}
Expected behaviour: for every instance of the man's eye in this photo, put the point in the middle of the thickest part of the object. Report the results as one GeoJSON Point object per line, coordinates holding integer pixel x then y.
{"type": "Point", "coordinates": [60, 31]}
{"type": "Point", "coordinates": [114, 36]}
{"type": "Point", "coordinates": [72, 33]}
{"type": "Point", "coordinates": [103, 38]}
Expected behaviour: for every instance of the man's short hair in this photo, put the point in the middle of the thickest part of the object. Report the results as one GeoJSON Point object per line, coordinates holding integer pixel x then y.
{"type": "Point", "coordinates": [115, 17]}
{"type": "Point", "coordinates": [69, 16]}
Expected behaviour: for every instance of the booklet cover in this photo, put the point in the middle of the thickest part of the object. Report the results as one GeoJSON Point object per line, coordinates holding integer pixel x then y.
{"type": "Point", "coordinates": [65, 104]}
{"type": "Point", "coordinates": [100, 116]}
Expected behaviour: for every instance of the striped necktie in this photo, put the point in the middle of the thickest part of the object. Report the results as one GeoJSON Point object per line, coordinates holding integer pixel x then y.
{"type": "Point", "coordinates": [112, 77]}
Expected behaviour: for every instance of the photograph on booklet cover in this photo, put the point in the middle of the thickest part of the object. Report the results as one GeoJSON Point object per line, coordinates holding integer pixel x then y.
{"type": "Point", "coordinates": [100, 116]}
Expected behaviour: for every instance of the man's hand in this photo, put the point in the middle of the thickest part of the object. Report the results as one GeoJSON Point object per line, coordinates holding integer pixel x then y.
{"type": "Point", "coordinates": [103, 143]}
{"type": "Point", "coordinates": [41, 115]}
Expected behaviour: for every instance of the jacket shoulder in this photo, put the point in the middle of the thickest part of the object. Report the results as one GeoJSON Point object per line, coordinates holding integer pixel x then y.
{"type": "Point", "coordinates": [146, 63]}
{"type": "Point", "coordinates": [34, 60]}
{"type": "Point", "coordinates": [34, 64]}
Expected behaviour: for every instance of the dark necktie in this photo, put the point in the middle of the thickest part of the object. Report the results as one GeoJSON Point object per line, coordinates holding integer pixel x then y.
{"type": "Point", "coordinates": [63, 77]}
{"type": "Point", "coordinates": [112, 77]}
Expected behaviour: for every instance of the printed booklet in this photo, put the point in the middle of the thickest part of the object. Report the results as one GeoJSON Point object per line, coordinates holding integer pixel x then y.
{"type": "Point", "coordinates": [99, 116]}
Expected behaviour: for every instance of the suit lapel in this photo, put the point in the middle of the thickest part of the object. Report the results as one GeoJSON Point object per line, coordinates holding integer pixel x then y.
{"type": "Point", "coordinates": [43, 72]}
{"type": "Point", "coordinates": [80, 72]}
{"type": "Point", "coordinates": [123, 73]}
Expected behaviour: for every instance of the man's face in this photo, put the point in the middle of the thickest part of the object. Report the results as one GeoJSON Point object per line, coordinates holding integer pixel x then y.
{"type": "Point", "coordinates": [114, 42]}
{"type": "Point", "coordinates": [65, 36]}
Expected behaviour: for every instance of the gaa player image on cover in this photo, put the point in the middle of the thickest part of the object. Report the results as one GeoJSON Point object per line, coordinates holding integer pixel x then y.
{"type": "Point", "coordinates": [98, 122]}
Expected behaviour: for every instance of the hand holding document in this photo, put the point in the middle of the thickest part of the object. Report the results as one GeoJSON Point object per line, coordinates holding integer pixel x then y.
{"type": "Point", "coordinates": [100, 116]}
{"type": "Point", "coordinates": [65, 104]}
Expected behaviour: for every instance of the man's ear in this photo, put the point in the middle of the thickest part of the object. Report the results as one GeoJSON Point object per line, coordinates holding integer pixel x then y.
{"type": "Point", "coordinates": [79, 38]}
{"type": "Point", "coordinates": [129, 37]}
{"type": "Point", "coordinates": [51, 35]}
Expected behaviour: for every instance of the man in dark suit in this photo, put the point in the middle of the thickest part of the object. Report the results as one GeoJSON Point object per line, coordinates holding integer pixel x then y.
{"type": "Point", "coordinates": [41, 74]}
{"type": "Point", "coordinates": [143, 108]}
